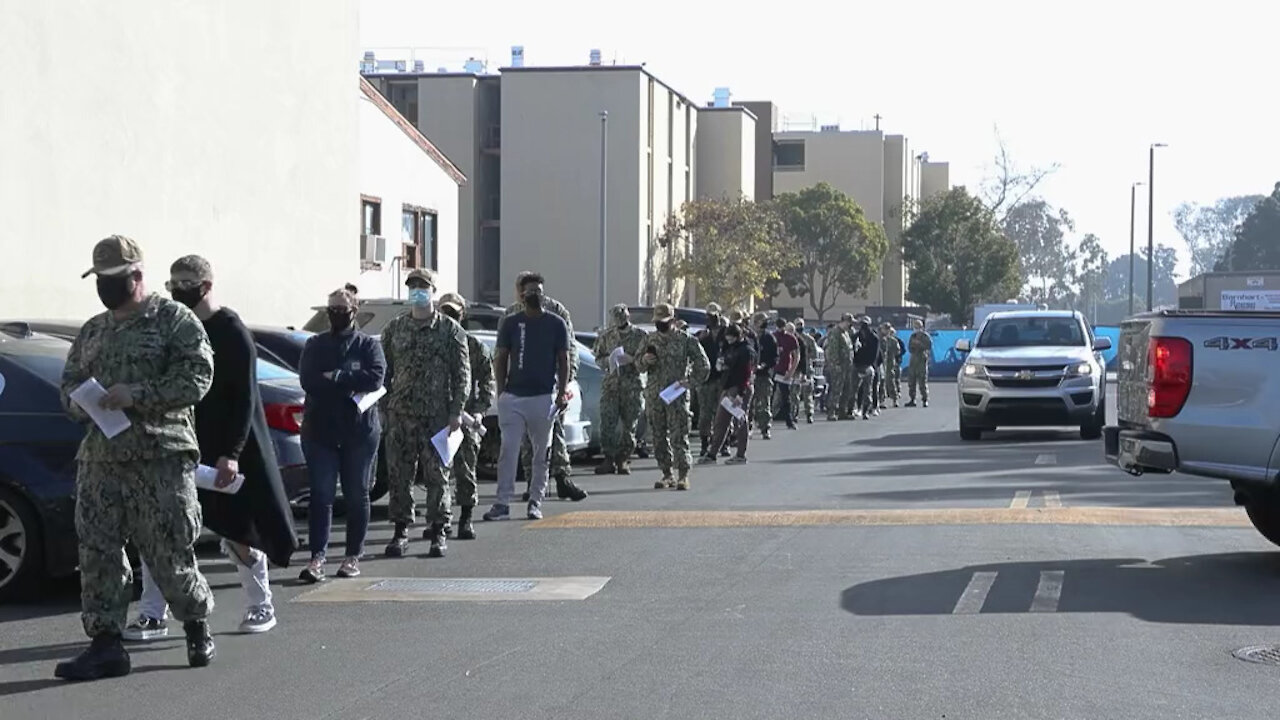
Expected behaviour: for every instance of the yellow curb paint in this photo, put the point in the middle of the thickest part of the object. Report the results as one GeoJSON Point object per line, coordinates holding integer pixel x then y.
{"type": "Point", "coordinates": [1138, 517]}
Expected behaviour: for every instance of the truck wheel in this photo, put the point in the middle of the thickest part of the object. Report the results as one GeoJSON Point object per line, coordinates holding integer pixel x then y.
{"type": "Point", "coordinates": [1265, 517]}
{"type": "Point", "coordinates": [1092, 430]}
{"type": "Point", "coordinates": [969, 433]}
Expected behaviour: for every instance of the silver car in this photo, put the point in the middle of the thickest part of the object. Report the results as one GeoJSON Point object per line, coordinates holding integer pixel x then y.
{"type": "Point", "coordinates": [1033, 368]}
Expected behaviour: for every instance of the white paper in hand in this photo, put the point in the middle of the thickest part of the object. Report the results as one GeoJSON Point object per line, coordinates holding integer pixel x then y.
{"type": "Point", "coordinates": [733, 408]}
{"type": "Point", "coordinates": [672, 393]}
{"type": "Point", "coordinates": [446, 444]}
{"type": "Point", "coordinates": [618, 358]}
{"type": "Point", "coordinates": [88, 396]}
{"type": "Point", "coordinates": [205, 477]}
{"type": "Point", "coordinates": [364, 401]}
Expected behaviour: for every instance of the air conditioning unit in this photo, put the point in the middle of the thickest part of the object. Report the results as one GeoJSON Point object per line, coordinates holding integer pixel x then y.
{"type": "Point", "coordinates": [373, 249]}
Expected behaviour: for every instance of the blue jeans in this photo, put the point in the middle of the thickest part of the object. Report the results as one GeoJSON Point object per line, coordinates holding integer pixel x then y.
{"type": "Point", "coordinates": [352, 463]}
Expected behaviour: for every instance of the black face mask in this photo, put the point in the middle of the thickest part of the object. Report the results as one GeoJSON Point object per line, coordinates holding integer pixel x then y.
{"type": "Point", "coordinates": [188, 296]}
{"type": "Point", "coordinates": [115, 290]}
{"type": "Point", "coordinates": [732, 339]}
{"type": "Point", "coordinates": [533, 300]}
{"type": "Point", "coordinates": [663, 325]}
{"type": "Point", "coordinates": [339, 319]}
{"type": "Point", "coordinates": [450, 312]}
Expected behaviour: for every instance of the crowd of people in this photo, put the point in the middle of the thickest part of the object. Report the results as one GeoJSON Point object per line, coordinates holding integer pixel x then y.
{"type": "Point", "coordinates": [177, 439]}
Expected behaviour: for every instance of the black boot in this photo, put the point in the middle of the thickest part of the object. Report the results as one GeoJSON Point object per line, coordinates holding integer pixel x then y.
{"type": "Point", "coordinates": [706, 441]}
{"type": "Point", "coordinates": [104, 658]}
{"type": "Point", "coordinates": [200, 650]}
{"type": "Point", "coordinates": [566, 490]}
{"type": "Point", "coordinates": [439, 541]}
{"type": "Point", "coordinates": [465, 530]}
{"type": "Point", "coordinates": [399, 541]}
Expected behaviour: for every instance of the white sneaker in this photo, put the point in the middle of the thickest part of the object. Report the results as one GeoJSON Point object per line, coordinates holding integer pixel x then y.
{"type": "Point", "coordinates": [258, 619]}
{"type": "Point", "coordinates": [145, 629]}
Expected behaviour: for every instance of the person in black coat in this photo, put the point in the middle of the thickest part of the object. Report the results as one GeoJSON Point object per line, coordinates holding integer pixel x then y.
{"type": "Point", "coordinates": [255, 523]}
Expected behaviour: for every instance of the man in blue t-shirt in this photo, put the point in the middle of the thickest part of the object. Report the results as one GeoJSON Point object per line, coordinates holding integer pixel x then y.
{"type": "Point", "coordinates": [531, 367]}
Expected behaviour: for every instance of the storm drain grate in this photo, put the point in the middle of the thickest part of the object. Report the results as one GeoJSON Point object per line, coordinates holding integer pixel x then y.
{"type": "Point", "coordinates": [450, 586]}
{"type": "Point", "coordinates": [1261, 654]}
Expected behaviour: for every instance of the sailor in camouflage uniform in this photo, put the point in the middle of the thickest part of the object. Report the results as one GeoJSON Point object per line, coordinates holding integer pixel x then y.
{"type": "Point", "coordinates": [839, 368]}
{"type": "Point", "coordinates": [478, 403]}
{"type": "Point", "coordinates": [566, 489]}
{"type": "Point", "coordinates": [671, 356]}
{"type": "Point", "coordinates": [153, 356]}
{"type": "Point", "coordinates": [428, 381]}
{"type": "Point", "coordinates": [620, 401]}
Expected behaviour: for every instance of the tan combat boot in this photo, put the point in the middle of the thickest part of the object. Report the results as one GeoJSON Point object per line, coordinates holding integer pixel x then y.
{"type": "Point", "coordinates": [684, 480]}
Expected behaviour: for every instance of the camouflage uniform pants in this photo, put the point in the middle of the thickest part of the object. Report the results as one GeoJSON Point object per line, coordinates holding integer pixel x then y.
{"type": "Point", "coordinates": [762, 399]}
{"type": "Point", "coordinates": [878, 400]}
{"type": "Point", "coordinates": [893, 380]}
{"type": "Point", "coordinates": [559, 464]}
{"type": "Point", "coordinates": [620, 408]}
{"type": "Point", "coordinates": [670, 424]}
{"type": "Point", "coordinates": [864, 388]}
{"type": "Point", "coordinates": [464, 469]}
{"type": "Point", "coordinates": [153, 504]}
{"type": "Point", "coordinates": [836, 377]}
{"type": "Point", "coordinates": [918, 378]}
{"type": "Point", "coordinates": [408, 449]}
{"type": "Point", "coordinates": [806, 398]}
{"type": "Point", "coordinates": [848, 400]}
{"type": "Point", "coordinates": [708, 404]}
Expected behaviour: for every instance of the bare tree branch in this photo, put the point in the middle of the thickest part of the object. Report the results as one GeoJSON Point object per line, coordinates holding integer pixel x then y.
{"type": "Point", "coordinates": [1007, 185]}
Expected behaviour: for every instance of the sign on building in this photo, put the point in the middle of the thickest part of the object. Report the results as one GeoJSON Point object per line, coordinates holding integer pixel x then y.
{"type": "Point", "coordinates": [1251, 300]}
{"type": "Point", "coordinates": [1256, 282]}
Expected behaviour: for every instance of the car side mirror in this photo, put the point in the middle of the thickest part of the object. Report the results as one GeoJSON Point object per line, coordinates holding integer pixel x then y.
{"type": "Point", "coordinates": [964, 345]}
{"type": "Point", "coordinates": [1102, 343]}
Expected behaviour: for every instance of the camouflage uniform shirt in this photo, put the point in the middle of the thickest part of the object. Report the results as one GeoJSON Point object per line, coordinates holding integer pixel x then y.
{"type": "Point", "coordinates": [839, 349]}
{"type": "Point", "coordinates": [680, 357]}
{"type": "Point", "coordinates": [555, 307]}
{"type": "Point", "coordinates": [482, 382]}
{"type": "Point", "coordinates": [163, 354]}
{"type": "Point", "coordinates": [632, 340]}
{"type": "Point", "coordinates": [428, 367]}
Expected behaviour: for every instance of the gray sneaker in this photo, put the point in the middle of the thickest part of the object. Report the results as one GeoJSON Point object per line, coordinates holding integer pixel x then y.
{"type": "Point", "coordinates": [498, 512]}
{"type": "Point", "coordinates": [145, 629]}
{"type": "Point", "coordinates": [535, 511]}
{"type": "Point", "coordinates": [258, 619]}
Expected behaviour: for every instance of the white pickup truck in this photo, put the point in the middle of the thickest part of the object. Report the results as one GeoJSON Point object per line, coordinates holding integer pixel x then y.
{"type": "Point", "coordinates": [1199, 393]}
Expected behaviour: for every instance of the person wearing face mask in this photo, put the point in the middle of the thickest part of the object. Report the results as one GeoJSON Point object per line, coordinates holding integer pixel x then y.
{"type": "Point", "coordinates": [478, 403]}
{"type": "Point", "coordinates": [620, 398]}
{"type": "Point", "coordinates": [711, 338]}
{"type": "Point", "coordinates": [736, 383]}
{"type": "Point", "coordinates": [864, 361]}
{"type": "Point", "coordinates": [561, 468]}
{"type": "Point", "coordinates": [153, 357]}
{"type": "Point", "coordinates": [338, 440]}
{"type": "Point", "coordinates": [671, 357]}
{"type": "Point", "coordinates": [428, 385]}
{"type": "Point", "coordinates": [839, 369]}
{"type": "Point", "coordinates": [767, 358]}
{"type": "Point", "coordinates": [808, 357]}
{"type": "Point", "coordinates": [233, 435]}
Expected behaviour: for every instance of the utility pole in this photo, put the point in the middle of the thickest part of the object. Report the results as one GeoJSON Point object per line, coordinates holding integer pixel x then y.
{"type": "Point", "coordinates": [1133, 195]}
{"type": "Point", "coordinates": [1151, 230]}
{"type": "Point", "coordinates": [604, 219]}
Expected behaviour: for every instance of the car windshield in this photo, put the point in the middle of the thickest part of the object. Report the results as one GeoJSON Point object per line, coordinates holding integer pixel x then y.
{"type": "Point", "coordinates": [1031, 332]}
{"type": "Point", "coordinates": [271, 371]}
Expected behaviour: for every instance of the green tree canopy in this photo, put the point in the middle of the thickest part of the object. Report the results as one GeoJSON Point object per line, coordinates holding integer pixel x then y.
{"type": "Point", "coordinates": [958, 257]}
{"type": "Point", "coordinates": [1047, 260]}
{"type": "Point", "coordinates": [1257, 241]}
{"type": "Point", "coordinates": [837, 249]}
{"type": "Point", "coordinates": [735, 248]}
{"type": "Point", "coordinates": [1209, 230]}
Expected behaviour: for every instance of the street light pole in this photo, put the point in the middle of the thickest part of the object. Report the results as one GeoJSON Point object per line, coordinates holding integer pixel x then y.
{"type": "Point", "coordinates": [604, 219]}
{"type": "Point", "coordinates": [1151, 226]}
{"type": "Point", "coordinates": [1133, 204]}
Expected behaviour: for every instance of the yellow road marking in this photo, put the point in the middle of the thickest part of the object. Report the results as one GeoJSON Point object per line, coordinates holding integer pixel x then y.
{"type": "Point", "coordinates": [1140, 517]}
{"type": "Point", "coordinates": [1021, 499]}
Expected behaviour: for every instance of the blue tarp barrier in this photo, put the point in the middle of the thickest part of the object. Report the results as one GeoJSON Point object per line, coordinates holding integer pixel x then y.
{"type": "Point", "coordinates": [947, 360]}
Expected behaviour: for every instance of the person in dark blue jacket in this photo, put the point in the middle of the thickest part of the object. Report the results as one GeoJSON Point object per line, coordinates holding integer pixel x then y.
{"type": "Point", "coordinates": [339, 440]}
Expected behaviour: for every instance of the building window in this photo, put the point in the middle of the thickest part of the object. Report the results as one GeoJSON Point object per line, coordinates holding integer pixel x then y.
{"type": "Point", "coordinates": [418, 237]}
{"type": "Point", "coordinates": [788, 155]}
{"type": "Point", "coordinates": [370, 215]}
{"type": "Point", "coordinates": [404, 97]}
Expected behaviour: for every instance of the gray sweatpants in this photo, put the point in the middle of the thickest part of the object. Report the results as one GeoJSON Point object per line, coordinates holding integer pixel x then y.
{"type": "Point", "coordinates": [520, 417]}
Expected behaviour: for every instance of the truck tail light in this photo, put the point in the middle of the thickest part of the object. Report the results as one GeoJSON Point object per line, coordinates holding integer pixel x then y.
{"type": "Point", "coordinates": [1169, 373]}
{"type": "Point", "coordinates": [282, 417]}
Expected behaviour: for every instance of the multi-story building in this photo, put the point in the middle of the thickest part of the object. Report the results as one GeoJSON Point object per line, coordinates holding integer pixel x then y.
{"type": "Point", "coordinates": [935, 177]}
{"type": "Point", "coordinates": [725, 157]}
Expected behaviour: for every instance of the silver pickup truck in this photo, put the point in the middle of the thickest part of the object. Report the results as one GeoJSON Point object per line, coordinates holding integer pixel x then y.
{"type": "Point", "coordinates": [1199, 393]}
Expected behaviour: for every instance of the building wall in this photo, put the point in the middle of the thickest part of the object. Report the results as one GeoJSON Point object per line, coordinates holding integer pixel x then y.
{"type": "Point", "coordinates": [766, 114]}
{"type": "Point", "coordinates": [397, 172]}
{"type": "Point", "coordinates": [226, 129]}
{"type": "Point", "coordinates": [897, 187]}
{"type": "Point", "coordinates": [852, 162]}
{"type": "Point", "coordinates": [935, 179]}
{"type": "Point", "coordinates": [726, 153]}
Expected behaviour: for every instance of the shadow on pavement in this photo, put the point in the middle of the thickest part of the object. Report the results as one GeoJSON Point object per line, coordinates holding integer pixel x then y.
{"type": "Point", "coordinates": [951, 439]}
{"type": "Point", "coordinates": [20, 687]}
{"type": "Point", "coordinates": [1223, 589]}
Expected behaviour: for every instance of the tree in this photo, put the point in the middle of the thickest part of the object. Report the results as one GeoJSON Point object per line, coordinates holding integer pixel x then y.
{"type": "Point", "coordinates": [837, 249]}
{"type": "Point", "coordinates": [1209, 230]}
{"type": "Point", "coordinates": [1116, 279]}
{"type": "Point", "coordinates": [1008, 185]}
{"type": "Point", "coordinates": [1091, 278]}
{"type": "Point", "coordinates": [1047, 261]}
{"type": "Point", "coordinates": [735, 248]}
{"type": "Point", "coordinates": [1257, 241]}
{"type": "Point", "coordinates": [958, 257]}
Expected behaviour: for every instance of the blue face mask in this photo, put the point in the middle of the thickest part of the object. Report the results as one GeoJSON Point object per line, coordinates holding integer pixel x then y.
{"type": "Point", "coordinates": [420, 297]}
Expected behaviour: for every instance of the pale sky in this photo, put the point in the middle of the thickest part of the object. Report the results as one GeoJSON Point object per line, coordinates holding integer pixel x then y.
{"type": "Point", "coordinates": [1089, 84]}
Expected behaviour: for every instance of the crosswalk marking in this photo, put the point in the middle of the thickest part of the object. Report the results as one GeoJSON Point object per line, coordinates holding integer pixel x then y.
{"type": "Point", "coordinates": [1047, 459]}
{"type": "Point", "coordinates": [975, 594]}
{"type": "Point", "coordinates": [1048, 591]}
{"type": "Point", "coordinates": [1021, 499]}
{"type": "Point", "coordinates": [1052, 498]}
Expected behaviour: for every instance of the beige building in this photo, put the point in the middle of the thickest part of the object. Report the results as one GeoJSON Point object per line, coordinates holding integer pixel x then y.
{"type": "Point", "coordinates": [176, 124]}
{"type": "Point", "coordinates": [935, 177]}
{"type": "Point", "coordinates": [725, 156]}
{"type": "Point", "coordinates": [1242, 290]}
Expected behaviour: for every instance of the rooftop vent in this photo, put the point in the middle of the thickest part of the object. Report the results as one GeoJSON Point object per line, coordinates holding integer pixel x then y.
{"type": "Point", "coordinates": [473, 66]}
{"type": "Point", "coordinates": [830, 128]}
{"type": "Point", "coordinates": [721, 97]}
{"type": "Point", "coordinates": [419, 66]}
{"type": "Point", "coordinates": [517, 56]}
{"type": "Point", "coordinates": [369, 63]}
{"type": "Point", "coordinates": [595, 57]}
{"type": "Point", "coordinates": [442, 69]}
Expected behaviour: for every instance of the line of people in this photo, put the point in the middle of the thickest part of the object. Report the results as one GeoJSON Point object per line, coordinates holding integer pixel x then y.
{"type": "Point", "coordinates": [864, 366]}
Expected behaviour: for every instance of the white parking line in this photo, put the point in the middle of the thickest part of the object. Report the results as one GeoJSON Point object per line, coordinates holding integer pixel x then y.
{"type": "Point", "coordinates": [1052, 498]}
{"type": "Point", "coordinates": [1047, 459]}
{"type": "Point", "coordinates": [1020, 499]}
{"type": "Point", "coordinates": [975, 594]}
{"type": "Point", "coordinates": [1048, 591]}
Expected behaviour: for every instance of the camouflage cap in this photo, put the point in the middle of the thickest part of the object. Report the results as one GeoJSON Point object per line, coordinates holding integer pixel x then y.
{"type": "Point", "coordinates": [663, 312]}
{"type": "Point", "coordinates": [195, 265]}
{"type": "Point", "coordinates": [800, 323]}
{"type": "Point", "coordinates": [714, 309]}
{"type": "Point", "coordinates": [453, 299]}
{"type": "Point", "coordinates": [736, 316]}
{"type": "Point", "coordinates": [847, 317]}
{"type": "Point", "coordinates": [423, 274]}
{"type": "Point", "coordinates": [619, 313]}
{"type": "Point", "coordinates": [865, 319]}
{"type": "Point", "coordinates": [115, 255]}
{"type": "Point", "coordinates": [758, 318]}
